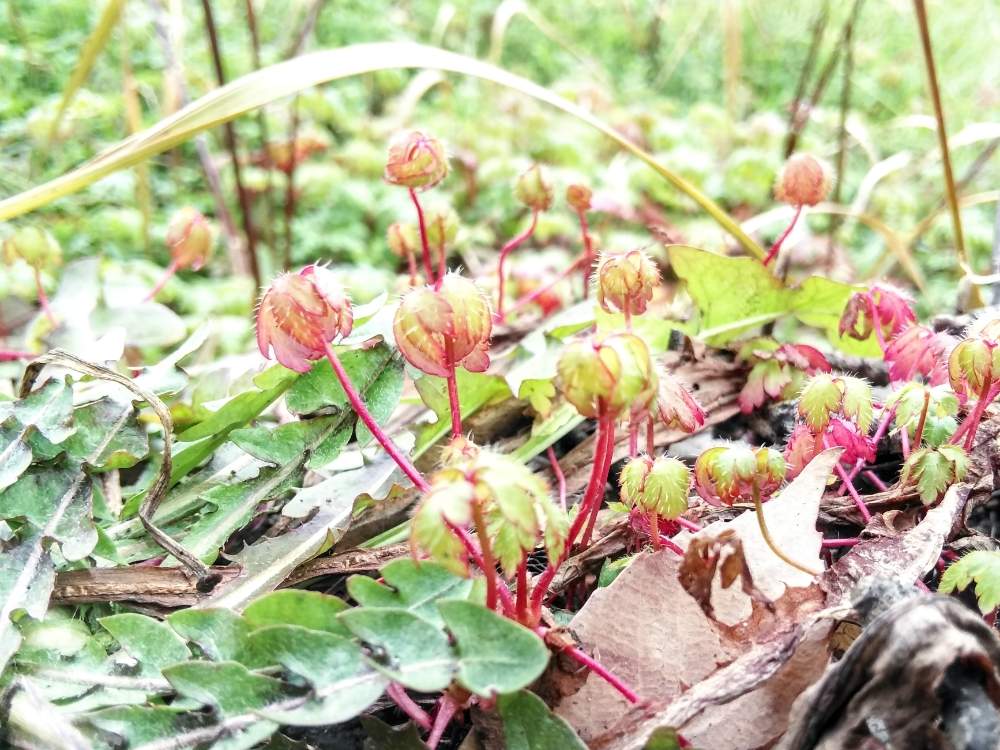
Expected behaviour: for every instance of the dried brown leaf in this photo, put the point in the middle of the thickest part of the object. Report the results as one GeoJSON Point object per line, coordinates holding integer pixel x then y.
{"type": "Point", "coordinates": [723, 554]}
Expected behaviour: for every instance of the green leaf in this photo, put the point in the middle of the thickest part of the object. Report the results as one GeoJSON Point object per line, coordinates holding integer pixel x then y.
{"type": "Point", "coordinates": [56, 500]}
{"type": "Point", "coordinates": [48, 410]}
{"type": "Point", "coordinates": [307, 609]}
{"type": "Point", "coordinates": [981, 566]}
{"type": "Point", "coordinates": [319, 388]}
{"type": "Point", "coordinates": [138, 725]}
{"type": "Point", "coordinates": [411, 585]}
{"type": "Point", "coordinates": [663, 738]}
{"type": "Point", "coordinates": [410, 650]}
{"type": "Point", "coordinates": [820, 302]}
{"type": "Point", "coordinates": [27, 576]}
{"type": "Point", "coordinates": [342, 682]}
{"type": "Point", "coordinates": [281, 444]}
{"type": "Point", "coordinates": [732, 294]}
{"type": "Point", "coordinates": [496, 655]}
{"type": "Point", "coordinates": [107, 436]}
{"type": "Point", "coordinates": [221, 634]}
{"type": "Point", "coordinates": [529, 725]}
{"type": "Point", "coordinates": [150, 642]}
{"type": "Point", "coordinates": [227, 686]}
{"type": "Point", "coordinates": [146, 324]}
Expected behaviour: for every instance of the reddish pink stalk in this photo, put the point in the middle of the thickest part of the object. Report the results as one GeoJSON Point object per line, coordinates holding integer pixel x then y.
{"type": "Point", "coordinates": [447, 707]}
{"type": "Point", "coordinates": [872, 477]}
{"type": "Point", "coordinates": [862, 508]}
{"type": "Point", "coordinates": [847, 542]}
{"type": "Point", "coordinates": [977, 413]}
{"type": "Point", "coordinates": [598, 497]}
{"type": "Point", "coordinates": [560, 477]}
{"type": "Point", "coordinates": [650, 437]}
{"type": "Point", "coordinates": [501, 266]}
{"type": "Point", "coordinates": [633, 437]}
{"type": "Point", "coordinates": [784, 235]}
{"type": "Point", "coordinates": [167, 275]}
{"type": "Point", "coordinates": [532, 296]}
{"type": "Point", "coordinates": [477, 558]}
{"type": "Point", "coordinates": [424, 243]}
{"type": "Point", "coordinates": [489, 565]}
{"type": "Point", "coordinates": [10, 355]}
{"type": "Point", "coordinates": [581, 657]}
{"type": "Point", "coordinates": [876, 322]}
{"type": "Point", "coordinates": [588, 252]}
{"type": "Point", "coordinates": [689, 525]}
{"type": "Point", "coordinates": [398, 695]}
{"type": "Point", "coordinates": [411, 262]}
{"type": "Point", "coordinates": [456, 407]}
{"type": "Point", "coordinates": [365, 416]}
{"type": "Point", "coordinates": [904, 439]}
{"type": "Point", "coordinates": [670, 544]}
{"type": "Point", "coordinates": [967, 422]}
{"type": "Point", "coordinates": [522, 590]}
{"type": "Point", "coordinates": [43, 299]}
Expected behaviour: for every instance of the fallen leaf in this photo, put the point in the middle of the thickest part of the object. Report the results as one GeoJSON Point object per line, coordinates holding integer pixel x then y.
{"type": "Point", "coordinates": [722, 553]}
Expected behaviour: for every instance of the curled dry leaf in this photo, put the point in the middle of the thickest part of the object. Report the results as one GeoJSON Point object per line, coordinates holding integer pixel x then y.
{"type": "Point", "coordinates": [723, 553]}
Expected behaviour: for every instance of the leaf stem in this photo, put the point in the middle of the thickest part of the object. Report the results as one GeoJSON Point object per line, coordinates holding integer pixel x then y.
{"type": "Point", "coordinates": [167, 275]}
{"type": "Point", "coordinates": [488, 563]}
{"type": "Point", "coordinates": [447, 707]}
{"type": "Point", "coordinates": [398, 695]}
{"type": "Point", "coordinates": [506, 250]}
{"type": "Point", "coordinates": [560, 477]}
{"type": "Point", "coordinates": [424, 243]}
{"type": "Point", "coordinates": [522, 590]}
{"type": "Point", "coordinates": [581, 657]}
{"type": "Point", "coordinates": [977, 413]}
{"type": "Point", "coordinates": [588, 252]}
{"type": "Point", "coordinates": [759, 506]}
{"type": "Point", "coordinates": [365, 416]}
{"type": "Point", "coordinates": [602, 481]}
{"type": "Point", "coordinates": [918, 434]}
{"type": "Point", "coordinates": [43, 299]}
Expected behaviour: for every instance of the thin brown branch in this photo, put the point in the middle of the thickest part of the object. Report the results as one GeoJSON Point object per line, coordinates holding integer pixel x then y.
{"type": "Point", "coordinates": [816, 37]}
{"type": "Point", "coordinates": [261, 120]}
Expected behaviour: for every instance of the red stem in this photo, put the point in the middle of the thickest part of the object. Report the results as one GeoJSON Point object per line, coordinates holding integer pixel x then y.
{"type": "Point", "coordinates": [872, 477]}
{"type": "Point", "coordinates": [977, 413]}
{"type": "Point", "coordinates": [522, 590]}
{"type": "Point", "coordinates": [994, 392]}
{"type": "Point", "coordinates": [43, 299]}
{"type": "Point", "coordinates": [9, 355]}
{"type": "Point", "coordinates": [489, 565]}
{"type": "Point", "coordinates": [602, 482]}
{"type": "Point", "coordinates": [504, 252]}
{"type": "Point", "coordinates": [848, 542]}
{"type": "Point", "coordinates": [904, 439]}
{"type": "Point", "coordinates": [581, 657]}
{"type": "Point", "coordinates": [167, 275]}
{"type": "Point", "coordinates": [411, 261]}
{"type": "Point", "coordinates": [398, 695]}
{"type": "Point", "coordinates": [633, 437]}
{"type": "Point", "coordinates": [532, 296]}
{"type": "Point", "coordinates": [424, 243]}
{"type": "Point", "coordinates": [918, 434]}
{"type": "Point", "coordinates": [876, 322]}
{"type": "Point", "coordinates": [689, 525]}
{"type": "Point", "coordinates": [365, 416]}
{"type": "Point", "coordinates": [670, 544]}
{"type": "Point", "coordinates": [447, 707]}
{"type": "Point", "coordinates": [476, 556]}
{"type": "Point", "coordinates": [784, 235]}
{"type": "Point", "coordinates": [650, 438]}
{"type": "Point", "coordinates": [654, 531]}
{"type": "Point", "coordinates": [588, 252]}
{"type": "Point", "coordinates": [442, 262]}
{"type": "Point", "coordinates": [456, 408]}
{"type": "Point", "coordinates": [560, 477]}
{"type": "Point", "coordinates": [862, 508]}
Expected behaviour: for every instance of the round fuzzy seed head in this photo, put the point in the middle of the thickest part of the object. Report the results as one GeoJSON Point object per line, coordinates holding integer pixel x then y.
{"type": "Point", "coordinates": [625, 281]}
{"type": "Point", "coordinates": [35, 246]}
{"type": "Point", "coordinates": [803, 181]}
{"type": "Point", "coordinates": [657, 486]}
{"type": "Point", "coordinates": [533, 190]}
{"type": "Point", "coordinates": [190, 239]}
{"type": "Point", "coordinates": [578, 197]}
{"type": "Point", "coordinates": [438, 329]}
{"type": "Point", "coordinates": [299, 314]}
{"type": "Point", "coordinates": [416, 161]}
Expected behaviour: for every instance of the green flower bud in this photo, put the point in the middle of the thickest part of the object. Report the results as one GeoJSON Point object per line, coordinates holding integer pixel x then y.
{"type": "Point", "coordinates": [604, 377]}
{"type": "Point", "coordinates": [416, 161]}
{"type": "Point", "coordinates": [403, 239]}
{"type": "Point", "coordinates": [533, 190]}
{"type": "Point", "coordinates": [625, 281]}
{"type": "Point", "coordinates": [657, 486]}
{"type": "Point", "coordinates": [973, 363]}
{"type": "Point", "coordinates": [189, 238]}
{"type": "Point", "coordinates": [35, 246]}
{"type": "Point", "coordinates": [442, 228]}
{"type": "Point", "coordinates": [726, 474]}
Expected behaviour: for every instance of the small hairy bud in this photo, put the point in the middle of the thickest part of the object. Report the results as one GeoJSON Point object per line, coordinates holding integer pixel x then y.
{"type": "Point", "coordinates": [578, 197]}
{"type": "Point", "coordinates": [919, 350]}
{"type": "Point", "coordinates": [604, 377]}
{"type": "Point", "coordinates": [437, 329]}
{"type": "Point", "coordinates": [299, 314]}
{"type": "Point", "coordinates": [416, 161]}
{"type": "Point", "coordinates": [35, 246]}
{"type": "Point", "coordinates": [825, 396]}
{"type": "Point", "coordinates": [533, 190]}
{"type": "Point", "coordinates": [657, 486]}
{"type": "Point", "coordinates": [458, 450]}
{"type": "Point", "coordinates": [803, 181]}
{"type": "Point", "coordinates": [190, 239]}
{"type": "Point", "coordinates": [973, 363]}
{"type": "Point", "coordinates": [885, 306]}
{"type": "Point", "coordinates": [724, 475]}
{"type": "Point", "coordinates": [625, 281]}
{"type": "Point", "coordinates": [403, 239]}
{"type": "Point", "coordinates": [676, 407]}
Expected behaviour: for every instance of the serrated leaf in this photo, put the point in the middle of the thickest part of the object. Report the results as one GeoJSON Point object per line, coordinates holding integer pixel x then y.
{"type": "Point", "coordinates": [528, 724]}
{"type": "Point", "coordinates": [496, 655]}
{"type": "Point", "coordinates": [281, 444]}
{"type": "Point", "coordinates": [306, 609]}
{"type": "Point", "coordinates": [107, 435]}
{"type": "Point", "coordinates": [475, 390]}
{"type": "Point", "coordinates": [981, 566]}
{"type": "Point", "coordinates": [221, 634]}
{"type": "Point", "coordinates": [150, 642]}
{"type": "Point", "coordinates": [55, 500]}
{"type": "Point", "coordinates": [411, 585]}
{"type": "Point", "coordinates": [319, 388]}
{"type": "Point", "coordinates": [416, 653]}
{"type": "Point", "coordinates": [335, 667]}
{"type": "Point", "coordinates": [47, 410]}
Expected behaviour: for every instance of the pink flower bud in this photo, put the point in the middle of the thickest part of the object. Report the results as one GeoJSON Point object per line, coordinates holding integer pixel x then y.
{"type": "Point", "coordinates": [803, 181]}
{"type": "Point", "coordinates": [437, 330]}
{"type": "Point", "coordinates": [533, 190]}
{"type": "Point", "coordinates": [918, 350]}
{"type": "Point", "coordinates": [726, 474]}
{"type": "Point", "coordinates": [578, 197]}
{"type": "Point", "coordinates": [625, 281]}
{"type": "Point", "coordinates": [299, 314]}
{"type": "Point", "coordinates": [416, 161]}
{"type": "Point", "coordinates": [190, 239]}
{"type": "Point", "coordinates": [883, 305]}
{"type": "Point", "coordinates": [778, 371]}
{"type": "Point", "coordinates": [676, 407]}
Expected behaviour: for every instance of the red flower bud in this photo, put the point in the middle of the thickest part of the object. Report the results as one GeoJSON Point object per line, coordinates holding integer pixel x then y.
{"type": "Point", "coordinates": [190, 239]}
{"type": "Point", "coordinates": [883, 305]}
{"type": "Point", "coordinates": [416, 161]}
{"type": "Point", "coordinates": [439, 329]}
{"type": "Point", "coordinates": [803, 181]}
{"type": "Point", "coordinates": [918, 350]}
{"type": "Point", "coordinates": [299, 314]}
{"type": "Point", "coordinates": [676, 407]}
